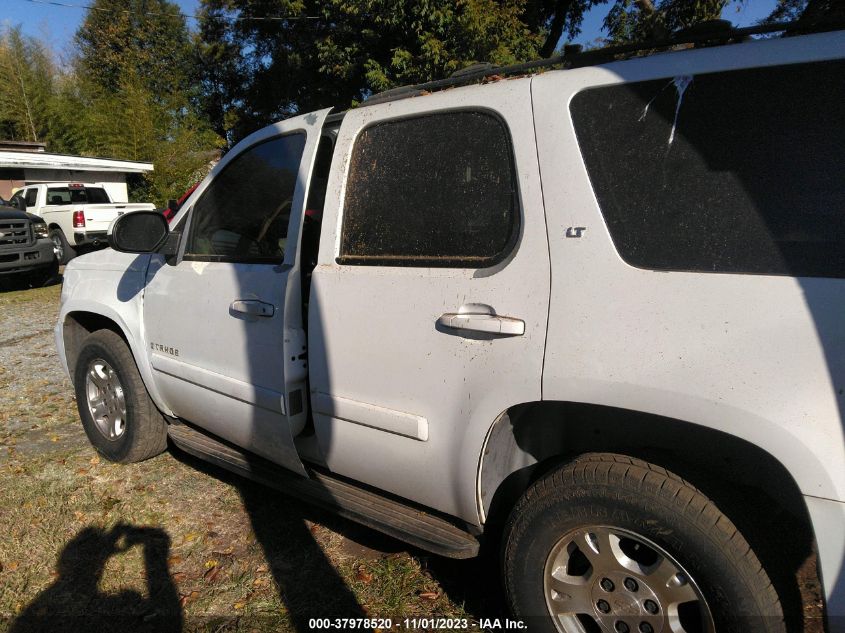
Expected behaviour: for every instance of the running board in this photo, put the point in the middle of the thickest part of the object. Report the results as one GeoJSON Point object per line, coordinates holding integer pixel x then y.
{"type": "Point", "coordinates": [388, 515]}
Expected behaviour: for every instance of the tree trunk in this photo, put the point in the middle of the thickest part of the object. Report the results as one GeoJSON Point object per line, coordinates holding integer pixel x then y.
{"type": "Point", "coordinates": [556, 27]}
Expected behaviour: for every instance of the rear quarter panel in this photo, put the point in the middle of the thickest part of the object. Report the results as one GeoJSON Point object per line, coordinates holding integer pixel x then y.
{"type": "Point", "coordinates": [760, 357]}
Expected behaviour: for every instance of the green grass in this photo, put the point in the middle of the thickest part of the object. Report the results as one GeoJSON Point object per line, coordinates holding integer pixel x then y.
{"type": "Point", "coordinates": [79, 534]}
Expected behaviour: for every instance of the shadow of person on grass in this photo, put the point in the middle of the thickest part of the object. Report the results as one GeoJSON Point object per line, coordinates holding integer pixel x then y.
{"type": "Point", "coordinates": [306, 580]}
{"type": "Point", "coordinates": [74, 602]}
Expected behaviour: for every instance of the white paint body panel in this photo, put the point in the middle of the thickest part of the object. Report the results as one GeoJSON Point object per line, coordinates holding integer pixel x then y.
{"type": "Point", "coordinates": [231, 373]}
{"type": "Point", "coordinates": [110, 284]}
{"type": "Point", "coordinates": [374, 340]}
{"type": "Point", "coordinates": [759, 357]}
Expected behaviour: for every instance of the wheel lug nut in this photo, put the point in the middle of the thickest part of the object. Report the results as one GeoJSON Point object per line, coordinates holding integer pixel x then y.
{"type": "Point", "coordinates": [621, 627]}
{"type": "Point", "coordinates": [650, 606]}
{"type": "Point", "coordinates": [603, 606]}
{"type": "Point", "coordinates": [645, 627]}
{"type": "Point", "coordinates": [607, 584]}
{"type": "Point", "coordinates": [631, 584]}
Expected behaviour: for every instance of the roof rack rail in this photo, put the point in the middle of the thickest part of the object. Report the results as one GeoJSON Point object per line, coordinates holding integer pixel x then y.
{"type": "Point", "coordinates": [714, 31]}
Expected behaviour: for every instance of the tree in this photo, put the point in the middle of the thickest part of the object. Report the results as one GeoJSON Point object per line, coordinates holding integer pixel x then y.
{"type": "Point", "coordinates": [812, 12]}
{"type": "Point", "coordinates": [135, 93]}
{"type": "Point", "coordinates": [217, 68]}
{"type": "Point", "coordinates": [640, 20]}
{"type": "Point", "coordinates": [27, 74]}
{"type": "Point", "coordinates": [557, 18]}
{"type": "Point", "coordinates": [336, 52]}
{"type": "Point", "coordinates": [146, 37]}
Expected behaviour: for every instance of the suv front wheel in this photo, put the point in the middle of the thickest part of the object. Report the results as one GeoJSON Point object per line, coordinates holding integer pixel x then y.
{"type": "Point", "coordinates": [118, 416]}
{"type": "Point", "coordinates": [612, 544]}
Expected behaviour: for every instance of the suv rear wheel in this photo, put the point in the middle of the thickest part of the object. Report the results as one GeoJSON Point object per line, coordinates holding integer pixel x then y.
{"type": "Point", "coordinates": [118, 416]}
{"type": "Point", "coordinates": [612, 544]}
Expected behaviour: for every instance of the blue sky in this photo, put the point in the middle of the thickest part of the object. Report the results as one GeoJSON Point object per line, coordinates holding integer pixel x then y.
{"type": "Point", "coordinates": [56, 24]}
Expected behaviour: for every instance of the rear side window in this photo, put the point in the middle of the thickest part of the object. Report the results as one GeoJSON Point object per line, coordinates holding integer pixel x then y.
{"type": "Point", "coordinates": [734, 172]}
{"type": "Point", "coordinates": [435, 190]}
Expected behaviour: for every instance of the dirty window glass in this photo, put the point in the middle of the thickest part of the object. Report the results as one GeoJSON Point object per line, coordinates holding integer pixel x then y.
{"type": "Point", "coordinates": [734, 172]}
{"type": "Point", "coordinates": [243, 214]}
{"type": "Point", "coordinates": [436, 190]}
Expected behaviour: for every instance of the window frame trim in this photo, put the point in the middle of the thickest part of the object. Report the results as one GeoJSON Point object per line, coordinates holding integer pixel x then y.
{"type": "Point", "coordinates": [190, 219]}
{"type": "Point", "coordinates": [459, 263]}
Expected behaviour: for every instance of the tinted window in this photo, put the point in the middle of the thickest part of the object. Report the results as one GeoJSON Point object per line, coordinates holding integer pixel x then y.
{"type": "Point", "coordinates": [57, 195]}
{"type": "Point", "coordinates": [243, 214]}
{"type": "Point", "coordinates": [728, 172]}
{"type": "Point", "coordinates": [437, 190]}
{"type": "Point", "coordinates": [31, 195]}
{"type": "Point", "coordinates": [76, 195]}
{"type": "Point", "coordinates": [94, 195]}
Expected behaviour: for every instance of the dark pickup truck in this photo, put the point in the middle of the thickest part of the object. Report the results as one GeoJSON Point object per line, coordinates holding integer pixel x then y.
{"type": "Point", "coordinates": [26, 251]}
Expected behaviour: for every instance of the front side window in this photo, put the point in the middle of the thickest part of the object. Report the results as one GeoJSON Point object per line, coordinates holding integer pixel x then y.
{"type": "Point", "coordinates": [435, 191]}
{"type": "Point", "coordinates": [243, 214]}
{"type": "Point", "coordinates": [31, 195]}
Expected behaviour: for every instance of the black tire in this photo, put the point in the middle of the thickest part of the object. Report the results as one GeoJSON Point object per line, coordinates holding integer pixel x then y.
{"type": "Point", "coordinates": [144, 430]}
{"type": "Point", "coordinates": [647, 510]}
{"type": "Point", "coordinates": [64, 251]}
{"type": "Point", "coordinates": [45, 276]}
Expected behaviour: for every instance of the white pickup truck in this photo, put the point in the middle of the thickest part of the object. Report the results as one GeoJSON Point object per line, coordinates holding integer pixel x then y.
{"type": "Point", "coordinates": [591, 317]}
{"type": "Point", "coordinates": [77, 214]}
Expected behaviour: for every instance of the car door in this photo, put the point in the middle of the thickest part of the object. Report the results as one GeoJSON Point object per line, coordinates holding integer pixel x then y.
{"type": "Point", "coordinates": [31, 198]}
{"type": "Point", "coordinates": [223, 323]}
{"type": "Point", "coordinates": [428, 307]}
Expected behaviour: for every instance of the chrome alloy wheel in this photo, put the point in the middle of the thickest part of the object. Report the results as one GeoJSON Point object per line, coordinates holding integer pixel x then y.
{"type": "Point", "coordinates": [105, 397]}
{"type": "Point", "coordinates": [58, 247]}
{"type": "Point", "coordinates": [613, 580]}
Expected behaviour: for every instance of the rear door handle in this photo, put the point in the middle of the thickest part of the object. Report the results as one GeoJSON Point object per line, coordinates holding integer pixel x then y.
{"type": "Point", "coordinates": [252, 307]}
{"type": "Point", "coordinates": [481, 318]}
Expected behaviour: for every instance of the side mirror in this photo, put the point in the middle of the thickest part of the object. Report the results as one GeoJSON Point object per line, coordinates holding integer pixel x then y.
{"type": "Point", "coordinates": [19, 203]}
{"type": "Point", "coordinates": [173, 205]}
{"type": "Point", "coordinates": [138, 232]}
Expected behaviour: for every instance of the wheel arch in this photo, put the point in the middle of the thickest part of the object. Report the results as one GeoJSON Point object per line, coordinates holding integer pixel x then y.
{"type": "Point", "coordinates": [80, 321]}
{"type": "Point", "coordinates": [744, 480]}
{"type": "Point", "coordinates": [77, 325]}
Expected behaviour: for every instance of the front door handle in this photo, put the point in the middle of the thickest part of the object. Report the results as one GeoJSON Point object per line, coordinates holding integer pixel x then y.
{"type": "Point", "coordinates": [252, 307]}
{"type": "Point", "coordinates": [481, 318]}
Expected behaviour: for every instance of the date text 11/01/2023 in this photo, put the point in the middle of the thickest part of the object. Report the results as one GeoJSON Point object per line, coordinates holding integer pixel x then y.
{"type": "Point", "coordinates": [427, 624]}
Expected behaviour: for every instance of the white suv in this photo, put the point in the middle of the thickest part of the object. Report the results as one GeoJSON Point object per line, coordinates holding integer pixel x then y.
{"type": "Point", "coordinates": [595, 314]}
